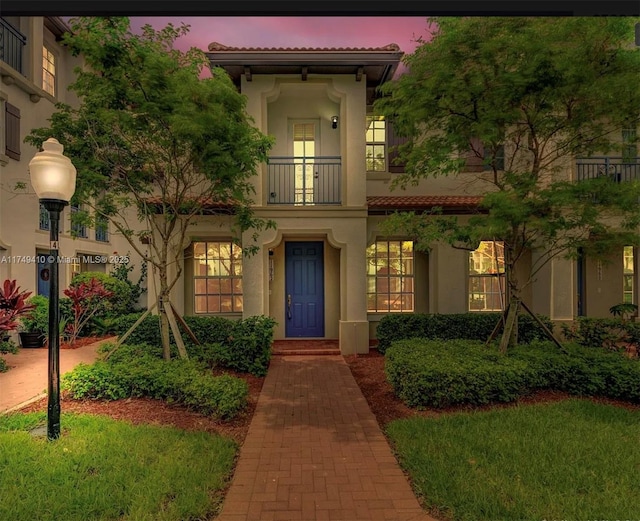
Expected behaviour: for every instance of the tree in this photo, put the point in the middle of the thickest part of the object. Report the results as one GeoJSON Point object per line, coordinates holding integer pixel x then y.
{"type": "Point", "coordinates": [524, 97]}
{"type": "Point", "coordinates": [153, 139]}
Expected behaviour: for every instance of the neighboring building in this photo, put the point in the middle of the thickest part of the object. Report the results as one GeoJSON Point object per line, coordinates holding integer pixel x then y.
{"type": "Point", "coordinates": [36, 71]}
{"type": "Point", "coordinates": [327, 271]}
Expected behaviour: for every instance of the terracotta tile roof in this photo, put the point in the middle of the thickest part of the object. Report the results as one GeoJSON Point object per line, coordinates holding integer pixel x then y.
{"type": "Point", "coordinates": [215, 46]}
{"type": "Point", "coordinates": [404, 202]}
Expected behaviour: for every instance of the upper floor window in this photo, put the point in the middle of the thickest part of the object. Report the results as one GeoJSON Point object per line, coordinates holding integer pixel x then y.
{"type": "Point", "coordinates": [390, 276]}
{"type": "Point", "coordinates": [376, 144]}
{"type": "Point", "coordinates": [44, 218]}
{"type": "Point", "coordinates": [48, 71]}
{"type": "Point", "coordinates": [487, 277]}
{"type": "Point", "coordinates": [628, 275]}
{"type": "Point", "coordinates": [102, 229]}
{"type": "Point", "coordinates": [77, 229]}
{"type": "Point", "coordinates": [629, 146]}
{"type": "Point", "coordinates": [479, 158]}
{"type": "Point", "coordinates": [217, 277]}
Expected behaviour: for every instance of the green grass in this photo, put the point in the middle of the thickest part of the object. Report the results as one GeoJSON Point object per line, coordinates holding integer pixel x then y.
{"type": "Point", "coordinates": [101, 469]}
{"type": "Point", "coordinates": [573, 460]}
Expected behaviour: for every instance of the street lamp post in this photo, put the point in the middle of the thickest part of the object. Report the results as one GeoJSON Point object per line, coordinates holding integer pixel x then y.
{"type": "Point", "coordinates": [53, 177]}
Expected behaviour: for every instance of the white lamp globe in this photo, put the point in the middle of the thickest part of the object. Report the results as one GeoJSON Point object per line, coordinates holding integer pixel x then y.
{"type": "Point", "coordinates": [53, 176]}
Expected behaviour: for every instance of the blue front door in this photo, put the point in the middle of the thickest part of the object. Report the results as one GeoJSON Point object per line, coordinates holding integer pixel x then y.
{"type": "Point", "coordinates": [44, 271]}
{"type": "Point", "coordinates": [304, 289]}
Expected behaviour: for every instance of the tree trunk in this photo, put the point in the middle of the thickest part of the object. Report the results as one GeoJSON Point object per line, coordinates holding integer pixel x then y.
{"type": "Point", "coordinates": [164, 328]}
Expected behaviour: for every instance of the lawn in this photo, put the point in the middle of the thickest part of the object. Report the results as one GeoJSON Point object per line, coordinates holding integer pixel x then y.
{"type": "Point", "coordinates": [102, 469]}
{"type": "Point", "coordinates": [572, 460]}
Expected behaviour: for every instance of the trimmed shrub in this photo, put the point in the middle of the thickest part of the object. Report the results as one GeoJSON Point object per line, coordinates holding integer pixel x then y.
{"type": "Point", "coordinates": [242, 345]}
{"type": "Point", "coordinates": [470, 326]}
{"type": "Point", "coordinates": [602, 332]}
{"type": "Point", "coordinates": [442, 373]}
{"type": "Point", "coordinates": [120, 302]}
{"type": "Point", "coordinates": [433, 373]}
{"type": "Point", "coordinates": [180, 381]}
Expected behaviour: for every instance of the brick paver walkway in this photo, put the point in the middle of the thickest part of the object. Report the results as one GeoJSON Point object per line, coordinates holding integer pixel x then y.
{"type": "Point", "coordinates": [314, 451]}
{"type": "Point", "coordinates": [28, 376]}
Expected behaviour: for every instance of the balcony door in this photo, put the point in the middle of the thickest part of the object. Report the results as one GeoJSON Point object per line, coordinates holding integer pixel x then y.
{"type": "Point", "coordinates": [305, 148]}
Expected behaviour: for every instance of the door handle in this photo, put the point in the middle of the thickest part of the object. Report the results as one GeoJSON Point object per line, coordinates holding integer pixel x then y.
{"type": "Point", "coordinates": [289, 307]}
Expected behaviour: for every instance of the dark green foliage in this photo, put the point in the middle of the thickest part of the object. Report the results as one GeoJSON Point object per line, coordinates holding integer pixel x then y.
{"type": "Point", "coordinates": [6, 346]}
{"type": "Point", "coordinates": [121, 272]}
{"type": "Point", "coordinates": [602, 332]}
{"type": "Point", "coordinates": [470, 326]}
{"type": "Point", "coordinates": [120, 302]}
{"type": "Point", "coordinates": [242, 345]}
{"type": "Point", "coordinates": [433, 373]}
{"type": "Point", "coordinates": [438, 374]}
{"type": "Point", "coordinates": [584, 371]}
{"type": "Point", "coordinates": [181, 381]}
{"type": "Point", "coordinates": [523, 97]}
{"type": "Point", "coordinates": [248, 348]}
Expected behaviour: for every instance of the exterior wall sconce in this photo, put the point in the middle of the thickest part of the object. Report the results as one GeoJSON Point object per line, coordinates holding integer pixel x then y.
{"type": "Point", "coordinates": [334, 121]}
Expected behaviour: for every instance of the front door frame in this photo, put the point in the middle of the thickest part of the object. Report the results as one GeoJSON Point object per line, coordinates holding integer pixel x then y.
{"type": "Point", "coordinates": [297, 325]}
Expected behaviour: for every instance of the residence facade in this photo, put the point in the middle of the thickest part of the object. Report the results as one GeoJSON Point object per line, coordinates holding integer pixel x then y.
{"type": "Point", "coordinates": [327, 271]}
{"type": "Point", "coordinates": [36, 71]}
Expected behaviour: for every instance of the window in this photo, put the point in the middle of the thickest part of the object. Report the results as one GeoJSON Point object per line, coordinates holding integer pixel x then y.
{"type": "Point", "coordinates": [12, 131]}
{"type": "Point", "coordinates": [217, 277]}
{"type": "Point", "coordinates": [44, 218]}
{"type": "Point", "coordinates": [628, 275]}
{"type": "Point", "coordinates": [376, 137]}
{"type": "Point", "coordinates": [390, 275]}
{"type": "Point", "coordinates": [48, 71]}
{"type": "Point", "coordinates": [102, 229]}
{"type": "Point", "coordinates": [304, 151]}
{"type": "Point", "coordinates": [77, 229]}
{"type": "Point", "coordinates": [487, 277]}
{"type": "Point", "coordinates": [629, 146]}
{"type": "Point", "coordinates": [479, 157]}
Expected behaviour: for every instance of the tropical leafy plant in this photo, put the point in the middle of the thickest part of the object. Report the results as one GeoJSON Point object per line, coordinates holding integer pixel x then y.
{"type": "Point", "coordinates": [86, 299]}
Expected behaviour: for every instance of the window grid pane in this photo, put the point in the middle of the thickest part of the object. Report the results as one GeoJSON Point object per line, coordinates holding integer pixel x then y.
{"type": "Point", "coordinates": [217, 277]}
{"type": "Point", "coordinates": [48, 71]}
{"type": "Point", "coordinates": [390, 286]}
{"type": "Point", "coordinates": [376, 137]}
{"type": "Point", "coordinates": [487, 281]}
{"type": "Point", "coordinates": [628, 276]}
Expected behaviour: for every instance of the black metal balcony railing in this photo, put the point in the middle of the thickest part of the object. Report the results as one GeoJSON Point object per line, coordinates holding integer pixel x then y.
{"type": "Point", "coordinates": [618, 169]}
{"type": "Point", "coordinates": [12, 42]}
{"type": "Point", "coordinates": [304, 181]}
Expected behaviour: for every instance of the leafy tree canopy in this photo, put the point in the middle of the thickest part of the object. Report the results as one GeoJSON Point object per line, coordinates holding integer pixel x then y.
{"type": "Point", "coordinates": [527, 97]}
{"type": "Point", "coordinates": [151, 138]}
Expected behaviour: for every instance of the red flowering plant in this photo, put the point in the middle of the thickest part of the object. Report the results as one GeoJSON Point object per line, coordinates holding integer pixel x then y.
{"type": "Point", "coordinates": [86, 299]}
{"type": "Point", "coordinates": [12, 305]}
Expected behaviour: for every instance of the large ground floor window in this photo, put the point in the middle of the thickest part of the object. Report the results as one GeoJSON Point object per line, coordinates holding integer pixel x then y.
{"type": "Point", "coordinates": [487, 282]}
{"type": "Point", "coordinates": [390, 277]}
{"type": "Point", "coordinates": [628, 276]}
{"type": "Point", "coordinates": [217, 277]}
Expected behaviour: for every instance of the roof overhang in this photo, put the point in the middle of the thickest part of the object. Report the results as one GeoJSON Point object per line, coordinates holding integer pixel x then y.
{"type": "Point", "coordinates": [377, 65]}
{"type": "Point", "coordinates": [447, 204]}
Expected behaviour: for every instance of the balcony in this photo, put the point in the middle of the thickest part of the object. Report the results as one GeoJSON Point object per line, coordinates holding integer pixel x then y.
{"type": "Point", "coordinates": [304, 181]}
{"type": "Point", "coordinates": [12, 42]}
{"type": "Point", "coordinates": [618, 169]}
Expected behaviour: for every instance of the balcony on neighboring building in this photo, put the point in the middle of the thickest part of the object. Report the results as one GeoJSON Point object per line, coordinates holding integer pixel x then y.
{"type": "Point", "coordinates": [12, 43]}
{"type": "Point", "coordinates": [304, 181]}
{"type": "Point", "coordinates": [618, 169]}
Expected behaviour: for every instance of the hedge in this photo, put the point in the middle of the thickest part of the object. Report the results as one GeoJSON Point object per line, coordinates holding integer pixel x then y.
{"type": "Point", "coordinates": [470, 326]}
{"type": "Point", "coordinates": [602, 332]}
{"type": "Point", "coordinates": [242, 345]}
{"type": "Point", "coordinates": [181, 381]}
{"type": "Point", "coordinates": [435, 373]}
{"type": "Point", "coordinates": [121, 301]}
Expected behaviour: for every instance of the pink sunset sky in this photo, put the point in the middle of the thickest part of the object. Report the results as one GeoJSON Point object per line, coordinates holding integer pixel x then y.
{"type": "Point", "coordinates": [306, 31]}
